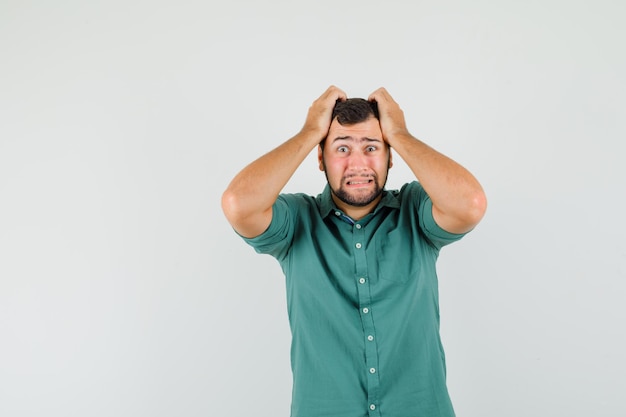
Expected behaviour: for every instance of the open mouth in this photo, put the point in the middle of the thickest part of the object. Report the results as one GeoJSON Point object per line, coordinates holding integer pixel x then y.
{"type": "Point", "coordinates": [358, 182]}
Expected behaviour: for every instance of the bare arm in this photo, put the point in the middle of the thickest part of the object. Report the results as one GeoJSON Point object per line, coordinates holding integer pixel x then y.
{"type": "Point", "coordinates": [248, 200]}
{"type": "Point", "coordinates": [459, 201]}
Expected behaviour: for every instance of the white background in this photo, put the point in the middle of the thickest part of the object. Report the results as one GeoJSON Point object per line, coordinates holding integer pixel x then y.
{"type": "Point", "coordinates": [123, 291]}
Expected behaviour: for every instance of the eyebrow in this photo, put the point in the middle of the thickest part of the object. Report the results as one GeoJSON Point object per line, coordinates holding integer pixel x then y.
{"type": "Point", "coordinates": [352, 138]}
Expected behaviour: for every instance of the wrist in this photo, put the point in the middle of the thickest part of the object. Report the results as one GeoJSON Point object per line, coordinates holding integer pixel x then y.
{"type": "Point", "coordinates": [313, 134]}
{"type": "Point", "coordinates": [396, 136]}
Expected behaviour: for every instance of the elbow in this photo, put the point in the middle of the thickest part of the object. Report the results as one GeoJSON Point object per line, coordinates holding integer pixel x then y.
{"type": "Point", "coordinates": [231, 205]}
{"type": "Point", "coordinates": [464, 215]}
{"type": "Point", "coordinates": [477, 207]}
{"type": "Point", "coordinates": [243, 215]}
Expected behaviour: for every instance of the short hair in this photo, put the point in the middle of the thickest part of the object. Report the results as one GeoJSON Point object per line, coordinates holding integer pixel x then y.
{"type": "Point", "coordinates": [354, 110]}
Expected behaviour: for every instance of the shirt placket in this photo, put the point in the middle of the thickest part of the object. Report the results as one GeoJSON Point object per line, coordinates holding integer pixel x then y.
{"type": "Point", "coordinates": [367, 320]}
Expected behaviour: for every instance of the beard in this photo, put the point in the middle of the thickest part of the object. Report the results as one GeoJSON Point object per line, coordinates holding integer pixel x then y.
{"type": "Point", "coordinates": [360, 198]}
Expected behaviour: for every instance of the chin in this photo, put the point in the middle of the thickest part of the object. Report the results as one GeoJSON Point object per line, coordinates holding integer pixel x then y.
{"type": "Point", "coordinates": [357, 199]}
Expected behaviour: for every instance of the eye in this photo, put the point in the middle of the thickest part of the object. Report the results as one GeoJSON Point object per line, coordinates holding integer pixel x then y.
{"type": "Point", "coordinates": [371, 148]}
{"type": "Point", "coordinates": [342, 149]}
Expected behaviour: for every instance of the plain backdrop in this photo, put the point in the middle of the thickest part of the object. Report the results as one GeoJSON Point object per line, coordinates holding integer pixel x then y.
{"type": "Point", "coordinates": [123, 290]}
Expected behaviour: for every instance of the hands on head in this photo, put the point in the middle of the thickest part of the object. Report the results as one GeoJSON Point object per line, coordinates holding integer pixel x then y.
{"type": "Point", "coordinates": [458, 199]}
{"type": "Point", "coordinates": [391, 116]}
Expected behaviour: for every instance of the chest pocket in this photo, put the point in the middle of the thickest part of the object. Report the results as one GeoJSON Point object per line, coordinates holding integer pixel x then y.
{"type": "Point", "coordinates": [396, 257]}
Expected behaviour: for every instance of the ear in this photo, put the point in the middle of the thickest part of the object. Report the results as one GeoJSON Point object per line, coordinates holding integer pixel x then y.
{"type": "Point", "coordinates": [320, 157]}
{"type": "Point", "coordinates": [390, 159]}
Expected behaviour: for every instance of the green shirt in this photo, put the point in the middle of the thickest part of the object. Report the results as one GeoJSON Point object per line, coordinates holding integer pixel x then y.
{"type": "Point", "coordinates": [363, 305]}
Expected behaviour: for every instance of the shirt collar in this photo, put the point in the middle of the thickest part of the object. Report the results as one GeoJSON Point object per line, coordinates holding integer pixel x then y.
{"type": "Point", "coordinates": [327, 205]}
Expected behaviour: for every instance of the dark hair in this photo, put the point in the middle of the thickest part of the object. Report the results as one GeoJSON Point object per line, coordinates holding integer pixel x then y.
{"type": "Point", "coordinates": [354, 110]}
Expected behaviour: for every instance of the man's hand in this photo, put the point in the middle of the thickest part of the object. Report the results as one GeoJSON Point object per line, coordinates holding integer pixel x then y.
{"type": "Point", "coordinates": [391, 116]}
{"type": "Point", "coordinates": [318, 119]}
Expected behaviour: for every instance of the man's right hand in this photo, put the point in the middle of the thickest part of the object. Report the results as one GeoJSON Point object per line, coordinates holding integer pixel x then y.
{"type": "Point", "coordinates": [318, 119]}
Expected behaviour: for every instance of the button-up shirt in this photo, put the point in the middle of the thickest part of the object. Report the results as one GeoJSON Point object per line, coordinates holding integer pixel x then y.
{"type": "Point", "coordinates": [363, 305]}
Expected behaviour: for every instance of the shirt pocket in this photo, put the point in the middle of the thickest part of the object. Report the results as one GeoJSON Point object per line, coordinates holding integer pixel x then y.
{"type": "Point", "coordinates": [395, 256]}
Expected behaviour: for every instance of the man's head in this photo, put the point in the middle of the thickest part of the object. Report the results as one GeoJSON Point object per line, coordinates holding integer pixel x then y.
{"type": "Point", "coordinates": [354, 156]}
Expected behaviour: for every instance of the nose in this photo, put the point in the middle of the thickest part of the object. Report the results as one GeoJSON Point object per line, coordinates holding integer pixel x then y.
{"type": "Point", "coordinates": [358, 161]}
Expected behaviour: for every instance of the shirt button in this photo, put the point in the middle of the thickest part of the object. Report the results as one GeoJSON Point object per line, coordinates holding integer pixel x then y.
{"type": "Point", "coordinates": [370, 338]}
{"type": "Point", "coordinates": [358, 226]}
{"type": "Point", "coordinates": [358, 246]}
{"type": "Point", "coordinates": [372, 407]}
{"type": "Point", "coordinates": [337, 213]}
{"type": "Point", "coordinates": [362, 280]}
{"type": "Point", "coordinates": [366, 310]}
{"type": "Point", "coordinates": [372, 370]}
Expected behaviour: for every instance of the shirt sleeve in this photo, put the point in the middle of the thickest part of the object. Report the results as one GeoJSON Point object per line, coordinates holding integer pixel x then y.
{"type": "Point", "coordinates": [437, 236]}
{"type": "Point", "coordinates": [276, 239]}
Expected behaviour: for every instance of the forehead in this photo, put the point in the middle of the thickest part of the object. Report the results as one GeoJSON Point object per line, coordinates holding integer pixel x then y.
{"type": "Point", "coordinates": [367, 129]}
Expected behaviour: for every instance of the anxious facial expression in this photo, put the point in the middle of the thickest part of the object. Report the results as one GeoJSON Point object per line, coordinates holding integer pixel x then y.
{"type": "Point", "coordinates": [356, 161]}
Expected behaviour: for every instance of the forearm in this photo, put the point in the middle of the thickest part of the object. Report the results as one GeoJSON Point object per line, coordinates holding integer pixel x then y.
{"type": "Point", "coordinates": [458, 199]}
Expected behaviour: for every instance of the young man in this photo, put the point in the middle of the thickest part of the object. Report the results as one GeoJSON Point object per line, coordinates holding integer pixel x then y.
{"type": "Point", "coordinates": [359, 260]}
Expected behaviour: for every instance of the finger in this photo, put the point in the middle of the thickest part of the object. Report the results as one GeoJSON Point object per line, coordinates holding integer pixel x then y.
{"type": "Point", "coordinates": [333, 91]}
{"type": "Point", "coordinates": [336, 93]}
{"type": "Point", "coordinates": [378, 94]}
{"type": "Point", "coordinates": [329, 98]}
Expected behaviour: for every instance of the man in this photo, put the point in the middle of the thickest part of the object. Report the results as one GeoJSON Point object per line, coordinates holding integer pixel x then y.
{"type": "Point", "coordinates": [359, 260]}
